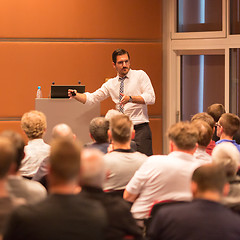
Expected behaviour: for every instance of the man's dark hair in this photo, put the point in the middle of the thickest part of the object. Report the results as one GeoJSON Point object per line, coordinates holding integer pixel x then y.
{"type": "Point", "coordinates": [204, 117]}
{"type": "Point", "coordinates": [216, 110]}
{"type": "Point", "coordinates": [210, 177]}
{"type": "Point", "coordinates": [18, 143]}
{"type": "Point", "coordinates": [119, 52]}
{"type": "Point", "coordinates": [230, 123]}
{"type": "Point", "coordinates": [65, 159]}
{"type": "Point", "coordinates": [7, 156]}
{"type": "Point", "coordinates": [99, 129]}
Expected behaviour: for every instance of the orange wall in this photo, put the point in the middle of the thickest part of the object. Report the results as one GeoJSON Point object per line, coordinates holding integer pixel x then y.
{"type": "Point", "coordinates": [67, 41]}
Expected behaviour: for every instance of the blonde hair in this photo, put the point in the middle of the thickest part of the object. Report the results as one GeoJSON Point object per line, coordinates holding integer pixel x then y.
{"type": "Point", "coordinates": [34, 124]}
{"type": "Point", "coordinates": [184, 135]}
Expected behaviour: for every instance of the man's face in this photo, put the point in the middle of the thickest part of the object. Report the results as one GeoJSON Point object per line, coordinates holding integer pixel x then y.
{"type": "Point", "coordinates": [122, 65]}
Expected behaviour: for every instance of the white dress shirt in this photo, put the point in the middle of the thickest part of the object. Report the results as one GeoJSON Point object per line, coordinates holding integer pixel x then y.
{"type": "Point", "coordinates": [162, 178]}
{"type": "Point", "coordinates": [137, 83]}
{"type": "Point", "coordinates": [35, 152]}
{"type": "Point", "coordinates": [202, 156]}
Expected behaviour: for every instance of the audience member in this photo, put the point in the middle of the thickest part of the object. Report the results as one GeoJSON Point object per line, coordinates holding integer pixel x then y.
{"type": "Point", "coordinates": [203, 218]}
{"type": "Point", "coordinates": [64, 214]}
{"type": "Point", "coordinates": [165, 177]}
{"type": "Point", "coordinates": [227, 126]}
{"type": "Point", "coordinates": [205, 133]}
{"type": "Point", "coordinates": [120, 220]}
{"type": "Point", "coordinates": [61, 130]}
{"type": "Point", "coordinates": [98, 129]}
{"type": "Point", "coordinates": [227, 155]}
{"type": "Point", "coordinates": [122, 162]}
{"type": "Point", "coordinates": [34, 125]}
{"type": "Point", "coordinates": [109, 115]}
{"type": "Point", "coordinates": [18, 187]}
{"type": "Point", "coordinates": [216, 110]}
{"type": "Point", "coordinates": [208, 119]}
{"type": "Point", "coordinates": [7, 156]}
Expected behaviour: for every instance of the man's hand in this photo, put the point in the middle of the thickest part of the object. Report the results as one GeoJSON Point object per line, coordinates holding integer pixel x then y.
{"type": "Point", "coordinates": [72, 93]}
{"type": "Point", "coordinates": [125, 99]}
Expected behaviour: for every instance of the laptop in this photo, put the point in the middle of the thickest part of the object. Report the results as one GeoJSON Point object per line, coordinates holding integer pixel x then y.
{"type": "Point", "coordinates": [61, 91]}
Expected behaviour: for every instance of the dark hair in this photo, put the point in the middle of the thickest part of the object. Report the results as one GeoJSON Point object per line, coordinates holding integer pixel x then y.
{"type": "Point", "coordinates": [205, 132]}
{"type": "Point", "coordinates": [65, 159]}
{"type": "Point", "coordinates": [18, 143]}
{"type": "Point", "coordinates": [7, 156]}
{"type": "Point", "coordinates": [216, 110]}
{"type": "Point", "coordinates": [121, 128]}
{"type": "Point", "coordinates": [119, 52]}
{"type": "Point", "coordinates": [204, 117]}
{"type": "Point", "coordinates": [210, 177]}
{"type": "Point", "coordinates": [184, 135]}
{"type": "Point", "coordinates": [99, 129]}
{"type": "Point", "coordinates": [230, 123]}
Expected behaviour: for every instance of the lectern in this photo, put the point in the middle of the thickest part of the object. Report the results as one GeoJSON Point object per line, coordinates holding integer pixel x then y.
{"type": "Point", "coordinates": [69, 111]}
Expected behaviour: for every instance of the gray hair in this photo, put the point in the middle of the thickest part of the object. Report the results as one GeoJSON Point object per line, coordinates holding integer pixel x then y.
{"type": "Point", "coordinates": [227, 155]}
{"type": "Point", "coordinates": [62, 130]}
{"type": "Point", "coordinates": [99, 129]}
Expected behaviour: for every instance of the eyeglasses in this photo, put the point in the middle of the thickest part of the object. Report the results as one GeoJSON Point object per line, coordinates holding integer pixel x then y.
{"type": "Point", "coordinates": [217, 125]}
{"type": "Point", "coordinates": [122, 62]}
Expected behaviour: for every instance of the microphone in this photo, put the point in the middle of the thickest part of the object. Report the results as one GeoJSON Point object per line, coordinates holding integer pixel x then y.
{"type": "Point", "coordinates": [79, 82]}
{"type": "Point", "coordinates": [53, 83]}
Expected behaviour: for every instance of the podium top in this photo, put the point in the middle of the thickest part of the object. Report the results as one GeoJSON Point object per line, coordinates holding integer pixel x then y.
{"type": "Point", "coordinates": [61, 91]}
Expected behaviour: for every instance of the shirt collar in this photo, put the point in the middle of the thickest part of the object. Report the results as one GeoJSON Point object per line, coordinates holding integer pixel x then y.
{"type": "Point", "coordinates": [127, 75]}
{"type": "Point", "coordinates": [124, 150]}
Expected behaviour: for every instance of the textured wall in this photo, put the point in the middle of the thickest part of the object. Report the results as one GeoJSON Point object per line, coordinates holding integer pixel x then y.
{"type": "Point", "coordinates": [67, 41]}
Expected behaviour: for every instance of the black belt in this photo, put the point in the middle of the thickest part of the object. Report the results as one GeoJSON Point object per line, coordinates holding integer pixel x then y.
{"type": "Point", "coordinates": [140, 125]}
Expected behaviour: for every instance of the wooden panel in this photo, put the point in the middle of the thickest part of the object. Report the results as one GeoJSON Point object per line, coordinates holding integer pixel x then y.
{"type": "Point", "coordinates": [13, 126]}
{"type": "Point", "coordinates": [135, 19]}
{"type": "Point", "coordinates": [24, 66]}
{"type": "Point", "coordinates": [156, 127]}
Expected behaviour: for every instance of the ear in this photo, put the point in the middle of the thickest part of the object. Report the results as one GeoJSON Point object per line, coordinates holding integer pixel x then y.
{"type": "Point", "coordinates": [114, 65]}
{"type": "Point", "coordinates": [171, 146]}
{"type": "Point", "coordinates": [109, 135]}
{"type": "Point", "coordinates": [74, 137]}
{"type": "Point", "coordinates": [226, 189]}
{"type": "Point", "coordinates": [194, 188]}
{"type": "Point", "coordinates": [133, 134]}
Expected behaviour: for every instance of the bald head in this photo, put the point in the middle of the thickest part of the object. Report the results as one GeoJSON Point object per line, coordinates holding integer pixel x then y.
{"type": "Point", "coordinates": [92, 168]}
{"type": "Point", "coordinates": [62, 131]}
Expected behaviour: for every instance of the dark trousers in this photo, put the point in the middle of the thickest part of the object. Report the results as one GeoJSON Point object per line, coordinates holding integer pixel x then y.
{"type": "Point", "coordinates": [143, 138]}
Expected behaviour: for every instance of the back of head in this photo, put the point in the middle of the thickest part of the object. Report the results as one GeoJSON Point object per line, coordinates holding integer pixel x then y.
{"type": "Point", "coordinates": [204, 117]}
{"type": "Point", "coordinates": [34, 124]}
{"type": "Point", "coordinates": [7, 156]}
{"type": "Point", "coordinates": [216, 110]}
{"type": "Point", "coordinates": [92, 168]}
{"type": "Point", "coordinates": [18, 143]}
{"type": "Point", "coordinates": [228, 156]}
{"type": "Point", "coordinates": [112, 113]}
{"type": "Point", "coordinates": [62, 130]}
{"type": "Point", "coordinates": [205, 132]}
{"type": "Point", "coordinates": [121, 128]}
{"type": "Point", "coordinates": [230, 123]}
{"type": "Point", "coordinates": [209, 177]}
{"type": "Point", "coordinates": [184, 135]}
{"type": "Point", "coordinates": [119, 52]}
{"type": "Point", "coordinates": [99, 129]}
{"type": "Point", "coordinates": [65, 160]}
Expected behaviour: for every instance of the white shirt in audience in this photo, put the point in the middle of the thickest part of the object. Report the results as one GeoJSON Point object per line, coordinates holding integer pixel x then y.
{"type": "Point", "coordinates": [162, 177]}
{"type": "Point", "coordinates": [35, 152]}
{"type": "Point", "coordinates": [201, 155]}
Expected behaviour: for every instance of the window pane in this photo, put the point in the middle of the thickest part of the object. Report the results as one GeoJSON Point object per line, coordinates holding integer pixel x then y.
{"type": "Point", "coordinates": [202, 83]}
{"type": "Point", "coordinates": [199, 15]}
{"type": "Point", "coordinates": [235, 16]}
{"type": "Point", "coordinates": [235, 81]}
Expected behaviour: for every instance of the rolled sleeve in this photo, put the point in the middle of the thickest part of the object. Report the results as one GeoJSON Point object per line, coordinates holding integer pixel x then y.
{"type": "Point", "coordinates": [148, 92]}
